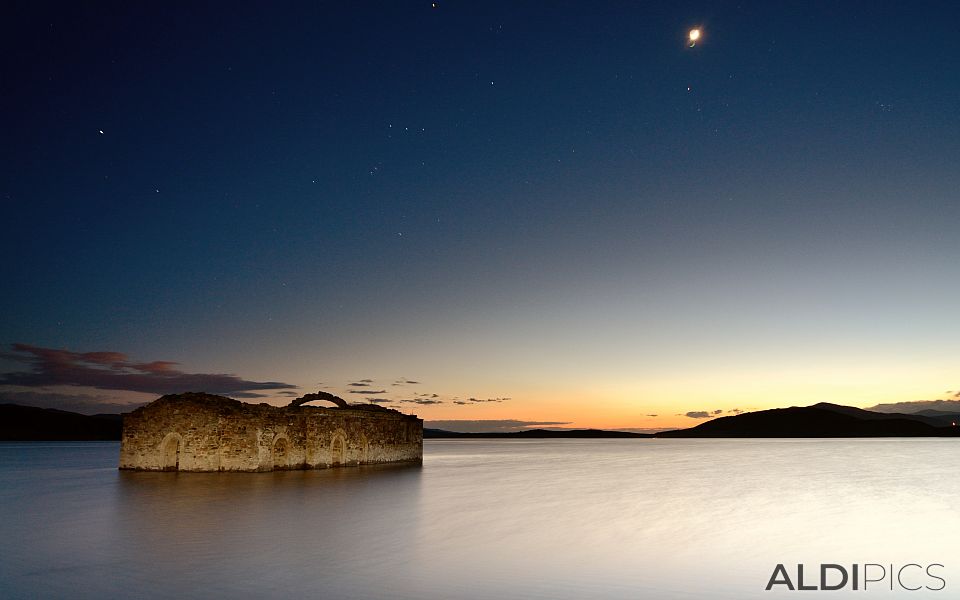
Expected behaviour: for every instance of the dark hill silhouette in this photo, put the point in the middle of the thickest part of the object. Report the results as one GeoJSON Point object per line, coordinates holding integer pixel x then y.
{"type": "Point", "coordinates": [28, 423]}
{"type": "Point", "coordinates": [873, 415]}
{"type": "Point", "coordinates": [929, 412]}
{"type": "Point", "coordinates": [819, 420]}
{"type": "Point", "coordinates": [943, 417]}
{"type": "Point", "coordinates": [25, 423]}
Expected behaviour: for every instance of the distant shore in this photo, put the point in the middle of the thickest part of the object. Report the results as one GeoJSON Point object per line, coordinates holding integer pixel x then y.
{"type": "Point", "coordinates": [29, 423]}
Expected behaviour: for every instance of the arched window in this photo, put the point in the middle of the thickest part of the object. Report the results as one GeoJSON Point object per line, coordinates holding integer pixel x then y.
{"type": "Point", "coordinates": [338, 450]}
{"type": "Point", "coordinates": [170, 453]}
{"type": "Point", "coordinates": [364, 449]}
{"type": "Point", "coordinates": [281, 453]}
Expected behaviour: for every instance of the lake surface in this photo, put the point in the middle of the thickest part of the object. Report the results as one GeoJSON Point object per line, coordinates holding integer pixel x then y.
{"type": "Point", "coordinates": [557, 519]}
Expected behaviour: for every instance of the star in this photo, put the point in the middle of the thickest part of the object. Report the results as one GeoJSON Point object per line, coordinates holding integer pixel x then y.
{"type": "Point", "coordinates": [101, 131]}
{"type": "Point", "coordinates": [694, 36]}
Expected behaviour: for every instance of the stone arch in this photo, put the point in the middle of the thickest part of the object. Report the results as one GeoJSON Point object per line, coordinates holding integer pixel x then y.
{"type": "Point", "coordinates": [338, 448]}
{"type": "Point", "coordinates": [281, 452]}
{"type": "Point", "coordinates": [170, 450]}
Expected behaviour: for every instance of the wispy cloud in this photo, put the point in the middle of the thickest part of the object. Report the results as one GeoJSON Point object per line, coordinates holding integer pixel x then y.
{"type": "Point", "coordinates": [368, 391]}
{"type": "Point", "coordinates": [703, 414]}
{"type": "Point", "coordinates": [114, 371]}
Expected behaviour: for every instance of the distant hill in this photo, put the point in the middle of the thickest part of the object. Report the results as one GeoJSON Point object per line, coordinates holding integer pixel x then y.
{"type": "Point", "coordinates": [536, 434]}
{"type": "Point", "coordinates": [28, 423]}
{"type": "Point", "coordinates": [861, 413]}
{"type": "Point", "coordinates": [942, 416]}
{"type": "Point", "coordinates": [819, 420]}
{"type": "Point", "coordinates": [951, 407]}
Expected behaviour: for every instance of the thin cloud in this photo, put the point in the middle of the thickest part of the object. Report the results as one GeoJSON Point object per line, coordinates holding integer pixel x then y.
{"type": "Point", "coordinates": [420, 401]}
{"type": "Point", "coordinates": [368, 391]}
{"type": "Point", "coordinates": [698, 414]}
{"type": "Point", "coordinates": [114, 371]}
{"type": "Point", "coordinates": [359, 384]}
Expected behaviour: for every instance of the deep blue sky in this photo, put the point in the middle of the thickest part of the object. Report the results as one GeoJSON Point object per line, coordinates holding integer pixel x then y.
{"type": "Point", "coordinates": [548, 202]}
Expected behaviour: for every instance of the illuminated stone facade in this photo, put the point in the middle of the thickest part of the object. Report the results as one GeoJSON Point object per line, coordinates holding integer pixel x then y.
{"type": "Point", "coordinates": [202, 432]}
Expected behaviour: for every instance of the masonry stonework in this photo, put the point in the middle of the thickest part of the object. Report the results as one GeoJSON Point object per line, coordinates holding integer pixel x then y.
{"type": "Point", "coordinates": [203, 432]}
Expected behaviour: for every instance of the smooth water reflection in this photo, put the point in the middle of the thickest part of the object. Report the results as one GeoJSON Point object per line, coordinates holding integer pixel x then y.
{"type": "Point", "coordinates": [481, 518]}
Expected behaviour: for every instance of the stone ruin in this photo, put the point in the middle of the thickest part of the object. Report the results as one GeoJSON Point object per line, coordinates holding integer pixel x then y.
{"type": "Point", "coordinates": [204, 432]}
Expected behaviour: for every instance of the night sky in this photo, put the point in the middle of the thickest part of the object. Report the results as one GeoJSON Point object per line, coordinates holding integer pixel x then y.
{"type": "Point", "coordinates": [556, 213]}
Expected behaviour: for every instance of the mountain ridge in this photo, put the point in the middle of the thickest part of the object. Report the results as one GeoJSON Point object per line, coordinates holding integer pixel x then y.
{"type": "Point", "coordinates": [821, 420]}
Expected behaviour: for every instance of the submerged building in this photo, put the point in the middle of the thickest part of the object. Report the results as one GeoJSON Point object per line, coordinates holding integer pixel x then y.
{"type": "Point", "coordinates": [203, 432]}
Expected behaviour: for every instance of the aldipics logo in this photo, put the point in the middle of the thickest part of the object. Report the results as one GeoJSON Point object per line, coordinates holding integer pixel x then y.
{"type": "Point", "coordinates": [911, 577]}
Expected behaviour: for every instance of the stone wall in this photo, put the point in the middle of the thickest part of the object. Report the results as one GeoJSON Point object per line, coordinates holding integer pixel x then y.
{"type": "Point", "coordinates": [202, 432]}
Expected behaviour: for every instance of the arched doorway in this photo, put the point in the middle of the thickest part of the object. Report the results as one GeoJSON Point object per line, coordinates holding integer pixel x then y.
{"type": "Point", "coordinates": [364, 450]}
{"type": "Point", "coordinates": [338, 450]}
{"type": "Point", "coordinates": [281, 453]}
{"type": "Point", "coordinates": [170, 453]}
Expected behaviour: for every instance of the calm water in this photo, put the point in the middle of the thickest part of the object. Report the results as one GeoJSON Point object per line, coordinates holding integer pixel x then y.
{"type": "Point", "coordinates": [481, 519]}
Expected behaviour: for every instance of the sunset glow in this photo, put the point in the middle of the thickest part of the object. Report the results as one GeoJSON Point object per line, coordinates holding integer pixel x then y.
{"type": "Point", "coordinates": [468, 218]}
